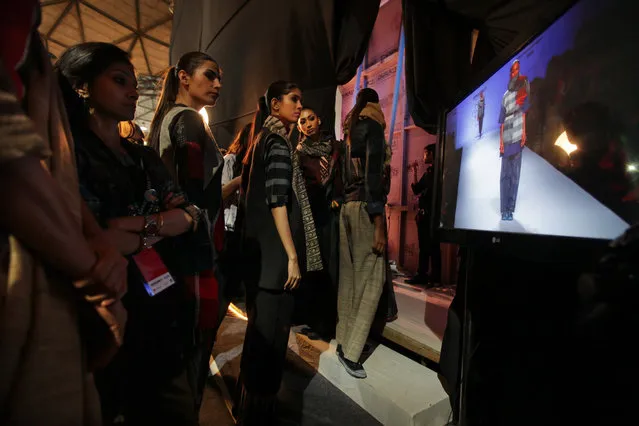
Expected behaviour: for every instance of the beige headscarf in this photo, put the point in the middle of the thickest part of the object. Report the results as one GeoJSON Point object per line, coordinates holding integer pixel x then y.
{"type": "Point", "coordinates": [373, 111]}
{"type": "Point", "coordinates": [44, 377]}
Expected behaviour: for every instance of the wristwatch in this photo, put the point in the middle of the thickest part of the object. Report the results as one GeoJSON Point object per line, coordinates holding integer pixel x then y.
{"type": "Point", "coordinates": [151, 228]}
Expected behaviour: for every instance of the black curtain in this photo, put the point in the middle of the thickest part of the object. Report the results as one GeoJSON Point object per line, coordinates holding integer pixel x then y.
{"type": "Point", "coordinates": [317, 43]}
{"type": "Point", "coordinates": [438, 45]}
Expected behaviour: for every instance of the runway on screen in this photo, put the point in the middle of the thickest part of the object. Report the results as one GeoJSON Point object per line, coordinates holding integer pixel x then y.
{"type": "Point", "coordinates": [548, 202]}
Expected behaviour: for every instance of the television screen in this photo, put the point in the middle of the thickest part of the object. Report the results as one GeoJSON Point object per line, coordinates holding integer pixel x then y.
{"type": "Point", "coordinates": [548, 144]}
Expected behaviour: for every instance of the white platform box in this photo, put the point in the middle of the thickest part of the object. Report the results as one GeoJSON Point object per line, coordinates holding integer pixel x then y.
{"type": "Point", "coordinates": [397, 392]}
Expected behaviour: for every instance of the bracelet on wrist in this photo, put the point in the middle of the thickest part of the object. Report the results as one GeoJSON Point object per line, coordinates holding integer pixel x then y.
{"type": "Point", "coordinates": [151, 228]}
{"type": "Point", "coordinates": [144, 243]}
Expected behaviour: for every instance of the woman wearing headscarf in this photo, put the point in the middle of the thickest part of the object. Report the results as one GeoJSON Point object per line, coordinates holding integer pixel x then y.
{"type": "Point", "coordinates": [57, 269]}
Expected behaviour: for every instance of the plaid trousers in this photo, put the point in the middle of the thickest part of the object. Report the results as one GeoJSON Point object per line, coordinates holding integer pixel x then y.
{"type": "Point", "coordinates": [361, 279]}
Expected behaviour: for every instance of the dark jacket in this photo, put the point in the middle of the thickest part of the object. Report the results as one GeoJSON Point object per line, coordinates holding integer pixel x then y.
{"type": "Point", "coordinates": [194, 161]}
{"type": "Point", "coordinates": [115, 187]}
{"type": "Point", "coordinates": [424, 188]}
{"type": "Point", "coordinates": [365, 179]}
{"type": "Point", "coordinates": [265, 257]}
{"type": "Point", "coordinates": [323, 177]}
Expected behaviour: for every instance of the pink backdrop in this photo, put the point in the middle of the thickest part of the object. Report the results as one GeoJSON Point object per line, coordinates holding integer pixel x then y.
{"type": "Point", "coordinates": [407, 143]}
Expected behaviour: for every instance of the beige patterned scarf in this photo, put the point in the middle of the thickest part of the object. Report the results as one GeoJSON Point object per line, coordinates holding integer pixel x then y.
{"type": "Point", "coordinates": [43, 359]}
{"type": "Point", "coordinates": [374, 112]}
{"type": "Point", "coordinates": [313, 254]}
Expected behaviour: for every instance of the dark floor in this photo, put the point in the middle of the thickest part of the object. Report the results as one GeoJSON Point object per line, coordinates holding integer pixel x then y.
{"type": "Point", "coordinates": [214, 411]}
{"type": "Point", "coordinates": [305, 398]}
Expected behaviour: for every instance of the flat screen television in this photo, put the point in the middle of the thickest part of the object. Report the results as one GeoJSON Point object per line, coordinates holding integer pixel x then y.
{"type": "Point", "coordinates": [548, 144]}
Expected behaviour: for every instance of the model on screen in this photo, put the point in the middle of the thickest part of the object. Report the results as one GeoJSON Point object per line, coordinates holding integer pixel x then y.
{"type": "Point", "coordinates": [512, 138]}
{"type": "Point", "coordinates": [481, 107]}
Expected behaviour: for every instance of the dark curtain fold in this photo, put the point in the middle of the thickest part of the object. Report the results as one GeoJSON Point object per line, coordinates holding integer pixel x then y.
{"type": "Point", "coordinates": [437, 58]}
{"type": "Point", "coordinates": [186, 14]}
{"type": "Point", "coordinates": [438, 45]}
{"type": "Point", "coordinates": [317, 43]}
{"type": "Point", "coordinates": [355, 20]}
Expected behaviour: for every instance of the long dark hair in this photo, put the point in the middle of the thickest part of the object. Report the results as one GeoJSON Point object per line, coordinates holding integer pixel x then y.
{"type": "Point", "coordinates": [188, 62]}
{"type": "Point", "coordinates": [277, 90]}
{"type": "Point", "coordinates": [365, 96]}
{"type": "Point", "coordinates": [78, 68]}
{"type": "Point", "coordinates": [241, 141]}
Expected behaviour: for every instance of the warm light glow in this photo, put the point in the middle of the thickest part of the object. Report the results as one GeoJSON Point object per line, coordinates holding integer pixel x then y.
{"type": "Point", "coordinates": [205, 115]}
{"type": "Point", "coordinates": [237, 312]}
{"type": "Point", "coordinates": [564, 143]}
{"type": "Point", "coordinates": [632, 168]}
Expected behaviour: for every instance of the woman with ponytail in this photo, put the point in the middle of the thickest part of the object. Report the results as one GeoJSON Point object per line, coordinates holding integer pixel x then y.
{"type": "Point", "coordinates": [362, 271]}
{"type": "Point", "coordinates": [279, 242]}
{"type": "Point", "coordinates": [189, 150]}
{"type": "Point", "coordinates": [143, 213]}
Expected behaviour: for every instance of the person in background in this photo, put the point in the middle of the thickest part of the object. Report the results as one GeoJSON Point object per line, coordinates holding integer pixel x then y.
{"type": "Point", "coordinates": [131, 131]}
{"type": "Point", "coordinates": [189, 150]}
{"type": "Point", "coordinates": [429, 248]}
{"type": "Point", "coordinates": [60, 278]}
{"type": "Point", "coordinates": [231, 257]}
{"type": "Point", "coordinates": [599, 164]}
{"type": "Point", "coordinates": [481, 108]}
{"type": "Point", "coordinates": [321, 159]}
{"type": "Point", "coordinates": [279, 242]}
{"type": "Point", "coordinates": [362, 273]}
{"type": "Point", "coordinates": [606, 316]}
{"type": "Point", "coordinates": [133, 197]}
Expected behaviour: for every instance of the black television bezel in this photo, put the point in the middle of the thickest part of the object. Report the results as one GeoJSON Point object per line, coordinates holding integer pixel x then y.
{"type": "Point", "coordinates": [542, 247]}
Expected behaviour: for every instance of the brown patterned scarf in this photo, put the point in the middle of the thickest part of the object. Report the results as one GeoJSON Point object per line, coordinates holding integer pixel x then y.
{"type": "Point", "coordinates": [313, 254]}
{"type": "Point", "coordinates": [321, 149]}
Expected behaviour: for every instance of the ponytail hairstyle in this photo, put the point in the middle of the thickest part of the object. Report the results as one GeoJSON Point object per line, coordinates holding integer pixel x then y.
{"type": "Point", "coordinates": [276, 90]}
{"type": "Point", "coordinates": [241, 141]}
{"type": "Point", "coordinates": [188, 62]}
{"type": "Point", "coordinates": [77, 69]}
{"type": "Point", "coordinates": [365, 96]}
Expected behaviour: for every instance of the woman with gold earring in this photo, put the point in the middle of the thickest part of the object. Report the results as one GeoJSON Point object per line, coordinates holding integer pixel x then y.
{"type": "Point", "coordinates": [321, 160]}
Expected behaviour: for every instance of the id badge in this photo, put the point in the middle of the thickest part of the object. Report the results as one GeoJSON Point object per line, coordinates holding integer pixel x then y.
{"type": "Point", "coordinates": [157, 277]}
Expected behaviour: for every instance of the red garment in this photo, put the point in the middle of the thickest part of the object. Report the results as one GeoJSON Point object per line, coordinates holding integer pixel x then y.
{"type": "Point", "coordinates": [522, 93]}
{"type": "Point", "coordinates": [195, 160]}
{"type": "Point", "coordinates": [205, 287]}
{"type": "Point", "coordinates": [195, 173]}
{"type": "Point", "coordinates": [16, 25]}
